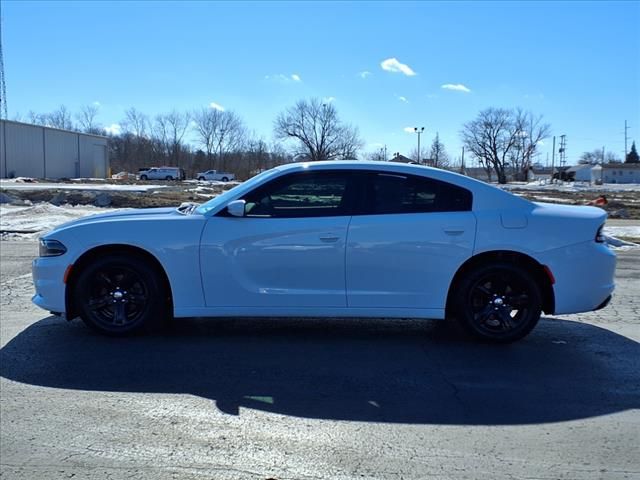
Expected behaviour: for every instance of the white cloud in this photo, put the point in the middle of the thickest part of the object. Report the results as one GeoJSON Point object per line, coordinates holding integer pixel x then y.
{"type": "Point", "coordinates": [113, 129]}
{"type": "Point", "coordinates": [282, 78]}
{"type": "Point", "coordinates": [96, 103]}
{"type": "Point", "coordinates": [393, 65]}
{"type": "Point", "coordinates": [409, 129]}
{"type": "Point", "coordinates": [329, 99]}
{"type": "Point", "coordinates": [403, 99]}
{"type": "Point", "coordinates": [364, 74]}
{"type": "Point", "coordinates": [457, 87]}
{"type": "Point", "coordinates": [216, 106]}
{"type": "Point", "coordinates": [541, 143]}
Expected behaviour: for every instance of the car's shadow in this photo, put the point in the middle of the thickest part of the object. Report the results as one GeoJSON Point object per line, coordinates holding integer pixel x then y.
{"type": "Point", "coordinates": [363, 370]}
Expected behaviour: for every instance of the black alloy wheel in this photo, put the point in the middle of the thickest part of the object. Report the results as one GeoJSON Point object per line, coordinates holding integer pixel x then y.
{"type": "Point", "coordinates": [225, 179]}
{"type": "Point", "coordinates": [168, 177]}
{"type": "Point", "coordinates": [143, 177]}
{"type": "Point", "coordinates": [119, 295]}
{"type": "Point", "coordinates": [201, 179]}
{"type": "Point", "coordinates": [498, 303]}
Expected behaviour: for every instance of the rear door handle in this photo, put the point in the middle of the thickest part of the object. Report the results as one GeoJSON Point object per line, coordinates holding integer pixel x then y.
{"type": "Point", "coordinates": [329, 238]}
{"type": "Point", "coordinates": [454, 231]}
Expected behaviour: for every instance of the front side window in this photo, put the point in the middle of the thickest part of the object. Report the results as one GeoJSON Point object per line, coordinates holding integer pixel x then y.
{"type": "Point", "coordinates": [398, 193]}
{"type": "Point", "coordinates": [321, 194]}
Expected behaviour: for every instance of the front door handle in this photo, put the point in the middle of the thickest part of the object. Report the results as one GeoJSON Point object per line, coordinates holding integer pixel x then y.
{"type": "Point", "coordinates": [453, 231]}
{"type": "Point", "coordinates": [329, 238]}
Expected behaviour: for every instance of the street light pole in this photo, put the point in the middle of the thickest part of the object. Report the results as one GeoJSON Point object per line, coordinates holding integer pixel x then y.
{"type": "Point", "coordinates": [419, 132]}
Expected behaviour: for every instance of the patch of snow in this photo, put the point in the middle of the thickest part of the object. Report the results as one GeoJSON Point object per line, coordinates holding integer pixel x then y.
{"type": "Point", "coordinates": [42, 217]}
{"type": "Point", "coordinates": [78, 186]}
{"type": "Point", "coordinates": [571, 186]}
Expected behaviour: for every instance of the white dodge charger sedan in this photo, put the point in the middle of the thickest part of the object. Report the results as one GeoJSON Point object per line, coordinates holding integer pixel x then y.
{"type": "Point", "coordinates": [333, 239]}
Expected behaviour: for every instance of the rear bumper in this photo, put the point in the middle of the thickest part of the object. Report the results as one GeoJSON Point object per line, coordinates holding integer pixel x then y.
{"type": "Point", "coordinates": [584, 275]}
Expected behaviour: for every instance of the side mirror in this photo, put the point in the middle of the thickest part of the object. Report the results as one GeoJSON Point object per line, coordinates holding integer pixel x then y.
{"type": "Point", "coordinates": [236, 208]}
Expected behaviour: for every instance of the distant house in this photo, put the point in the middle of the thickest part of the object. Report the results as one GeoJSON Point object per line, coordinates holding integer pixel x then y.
{"type": "Point", "coordinates": [580, 173]}
{"type": "Point", "coordinates": [621, 173]}
{"type": "Point", "coordinates": [402, 159]}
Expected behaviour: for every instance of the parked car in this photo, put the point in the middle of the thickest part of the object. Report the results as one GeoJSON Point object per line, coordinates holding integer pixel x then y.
{"type": "Point", "coordinates": [325, 239]}
{"type": "Point", "coordinates": [216, 175]}
{"type": "Point", "coordinates": [162, 173]}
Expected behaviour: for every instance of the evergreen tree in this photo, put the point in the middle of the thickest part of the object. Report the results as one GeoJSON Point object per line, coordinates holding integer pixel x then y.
{"type": "Point", "coordinates": [632, 156]}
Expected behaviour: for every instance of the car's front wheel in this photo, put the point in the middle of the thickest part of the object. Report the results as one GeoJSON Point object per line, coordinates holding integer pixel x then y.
{"type": "Point", "coordinates": [120, 294]}
{"type": "Point", "coordinates": [498, 302]}
{"type": "Point", "coordinates": [201, 179]}
{"type": "Point", "coordinates": [143, 177]}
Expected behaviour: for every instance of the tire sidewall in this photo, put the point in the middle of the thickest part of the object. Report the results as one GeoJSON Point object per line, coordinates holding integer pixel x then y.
{"type": "Point", "coordinates": [153, 312]}
{"type": "Point", "coordinates": [463, 291]}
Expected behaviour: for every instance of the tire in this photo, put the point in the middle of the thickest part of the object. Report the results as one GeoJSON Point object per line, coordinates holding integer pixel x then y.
{"type": "Point", "coordinates": [225, 179]}
{"type": "Point", "coordinates": [143, 177]}
{"type": "Point", "coordinates": [168, 177]}
{"type": "Point", "coordinates": [119, 295]}
{"type": "Point", "coordinates": [201, 179]}
{"type": "Point", "coordinates": [497, 303]}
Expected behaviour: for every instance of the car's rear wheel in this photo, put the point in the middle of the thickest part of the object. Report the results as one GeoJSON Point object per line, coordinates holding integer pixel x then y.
{"type": "Point", "coordinates": [201, 179]}
{"type": "Point", "coordinates": [225, 179]}
{"type": "Point", "coordinates": [120, 294]}
{"type": "Point", "coordinates": [498, 302]}
{"type": "Point", "coordinates": [168, 177]}
{"type": "Point", "coordinates": [143, 177]}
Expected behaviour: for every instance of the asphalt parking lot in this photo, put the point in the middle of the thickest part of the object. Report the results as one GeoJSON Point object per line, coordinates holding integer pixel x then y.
{"type": "Point", "coordinates": [317, 399]}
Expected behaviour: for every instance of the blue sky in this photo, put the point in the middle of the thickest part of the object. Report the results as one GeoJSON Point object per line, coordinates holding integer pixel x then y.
{"type": "Point", "coordinates": [575, 63]}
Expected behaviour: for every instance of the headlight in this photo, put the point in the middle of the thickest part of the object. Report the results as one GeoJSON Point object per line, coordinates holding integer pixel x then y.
{"type": "Point", "coordinates": [51, 248]}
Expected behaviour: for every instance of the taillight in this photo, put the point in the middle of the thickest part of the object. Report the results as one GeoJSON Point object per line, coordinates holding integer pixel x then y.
{"type": "Point", "coordinates": [600, 238]}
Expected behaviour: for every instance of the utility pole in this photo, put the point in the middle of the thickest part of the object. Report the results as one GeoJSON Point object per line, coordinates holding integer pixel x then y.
{"type": "Point", "coordinates": [3, 86]}
{"type": "Point", "coordinates": [624, 157]}
{"type": "Point", "coordinates": [553, 157]}
{"type": "Point", "coordinates": [462, 162]}
{"type": "Point", "coordinates": [385, 152]}
{"type": "Point", "coordinates": [603, 154]}
{"type": "Point", "coordinates": [419, 131]}
{"type": "Point", "coordinates": [563, 150]}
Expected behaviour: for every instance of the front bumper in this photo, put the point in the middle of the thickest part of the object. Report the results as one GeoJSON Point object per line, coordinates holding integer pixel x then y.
{"type": "Point", "coordinates": [48, 280]}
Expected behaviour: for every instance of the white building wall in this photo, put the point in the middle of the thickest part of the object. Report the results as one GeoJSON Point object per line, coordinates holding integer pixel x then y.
{"type": "Point", "coordinates": [621, 175]}
{"type": "Point", "coordinates": [24, 150]}
{"type": "Point", "coordinates": [39, 152]}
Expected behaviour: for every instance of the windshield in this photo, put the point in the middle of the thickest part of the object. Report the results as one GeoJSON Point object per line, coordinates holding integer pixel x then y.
{"type": "Point", "coordinates": [235, 192]}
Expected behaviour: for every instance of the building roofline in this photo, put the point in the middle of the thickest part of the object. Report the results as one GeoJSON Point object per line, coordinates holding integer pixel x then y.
{"type": "Point", "coordinates": [621, 165]}
{"type": "Point", "coordinates": [56, 129]}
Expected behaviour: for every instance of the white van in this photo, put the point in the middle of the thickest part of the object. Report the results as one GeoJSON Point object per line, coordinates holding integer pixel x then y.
{"type": "Point", "coordinates": [162, 173]}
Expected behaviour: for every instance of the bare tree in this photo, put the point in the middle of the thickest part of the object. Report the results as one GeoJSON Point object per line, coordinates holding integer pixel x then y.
{"type": "Point", "coordinates": [500, 138]}
{"type": "Point", "coordinates": [136, 122]}
{"type": "Point", "coordinates": [218, 132]}
{"type": "Point", "coordinates": [438, 155]}
{"type": "Point", "coordinates": [169, 129]}
{"type": "Point", "coordinates": [87, 119]}
{"type": "Point", "coordinates": [319, 132]}
{"type": "Point", "coordinates": [60, 118]}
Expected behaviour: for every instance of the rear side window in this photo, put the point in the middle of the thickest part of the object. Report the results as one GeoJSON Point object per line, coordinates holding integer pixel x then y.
{"type": "Point", "coordinates": [398, 193]}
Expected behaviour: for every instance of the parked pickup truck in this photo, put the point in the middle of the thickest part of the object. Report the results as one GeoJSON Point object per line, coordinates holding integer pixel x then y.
{"type": "Point", "coordinates": [215, 175]}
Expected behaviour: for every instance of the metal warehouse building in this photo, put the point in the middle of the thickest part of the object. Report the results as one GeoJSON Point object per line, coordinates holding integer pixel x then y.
{"type": "Point", "coordinates": [42, 152]}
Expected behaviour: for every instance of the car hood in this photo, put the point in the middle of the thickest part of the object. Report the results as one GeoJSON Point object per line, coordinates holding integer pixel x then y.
{"type": "Point", "coordinates": [133, 213]}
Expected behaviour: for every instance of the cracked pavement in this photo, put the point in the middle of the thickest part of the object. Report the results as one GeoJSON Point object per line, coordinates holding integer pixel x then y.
{"type": "Point", "coordinates": [317, 399]}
